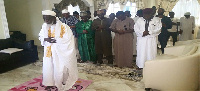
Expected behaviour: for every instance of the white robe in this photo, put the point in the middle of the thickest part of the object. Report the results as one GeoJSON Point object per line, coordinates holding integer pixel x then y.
{"type": "Point", "coordinates": [61, 67]}
{"type": "Point", "coordinates": [187, 25]}
{"type": "Point", "coordinates": [135, 37]}
{"type": "Point", "coordinates": [147, 46]}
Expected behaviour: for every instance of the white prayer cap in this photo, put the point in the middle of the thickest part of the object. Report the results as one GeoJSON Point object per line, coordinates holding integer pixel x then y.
{"type": "Point", "coordinates": [187, 13]}
{"type": "Point", "coordinates": [64, 11]}
{"type": "Point", "coordinates": [48, 12]}
{"type": "Point", "coordinates": [83, 14]}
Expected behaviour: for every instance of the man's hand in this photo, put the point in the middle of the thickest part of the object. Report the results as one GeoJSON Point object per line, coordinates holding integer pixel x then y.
{"type": "Point", "coordinates": [72, 26]}
{"type": "Point", "coordinates": [192, 31]}
{"type": "Point", "coordinates": [164, 25]}
{"type": "Point", "coordinates": [85, 31]}
{"type": "Point", "coordinates": [50, 40]}
{"type": "Point", "coordinates": [145, 33]}
{"type": "Point", "coordinates": [181, 31]}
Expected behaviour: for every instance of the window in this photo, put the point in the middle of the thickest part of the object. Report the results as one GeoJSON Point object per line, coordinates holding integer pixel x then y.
{"type": "Point", "coordinates": [113, 8]}
{"type": "Point", "coordinates": [132, 8]}
{"type": "Point", "coordinates": [184, 6]}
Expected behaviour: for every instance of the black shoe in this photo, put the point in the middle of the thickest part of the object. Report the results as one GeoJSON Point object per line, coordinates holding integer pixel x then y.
{"type": "Point", "coordinates": [100, 62]}
{"type": "Point", "coordinates": [95, 62]}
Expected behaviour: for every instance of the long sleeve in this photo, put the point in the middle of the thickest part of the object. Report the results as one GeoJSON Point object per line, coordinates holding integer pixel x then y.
{"type": "Point", "coordinates": [131, 26]}
{"type": "Point", "coordinates": [66, 36]}
{"type": "Point", "coordinates": [79, 28]}
{"type": "Point", "coordinates": [75, 21]}
{"type": "Point", "coordinates": [113, 24]}
{"type": "Point", "coordinates": [168, 23]}
{"type": "Point", "coordinates": [157, 27]}
{"type": "Point", "coordinates": [137, 28]}
{"type": "Point", "coordinates": [94, 25]}
{"type": "Point", "coordinates": [88, 26]}
{"type": "Point", "coordinates": [41, 37]}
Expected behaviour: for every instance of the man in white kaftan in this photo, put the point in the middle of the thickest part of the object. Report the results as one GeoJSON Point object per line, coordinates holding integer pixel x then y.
{"type": "Point", "coordinates": [138, 15]}
{"type": "Point", "coordinates": [187, 25]}
{"type": "Point", "coordinates": [147, 37]}
{"type": "Point", "coordinates": [59, 61]}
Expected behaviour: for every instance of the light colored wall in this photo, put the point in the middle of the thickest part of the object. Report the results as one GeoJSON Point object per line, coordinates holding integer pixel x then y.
{"type": "Point", "coordinates": [25, 16]}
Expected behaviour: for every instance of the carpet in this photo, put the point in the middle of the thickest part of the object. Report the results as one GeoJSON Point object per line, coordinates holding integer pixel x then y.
{"type": "Point", "coordinates": [111, 72]}
{"type": "Point", "coordinates": [35, 85]}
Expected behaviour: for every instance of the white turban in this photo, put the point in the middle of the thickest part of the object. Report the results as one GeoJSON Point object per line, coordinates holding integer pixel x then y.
{"type": "Point", "coordinates": [48, 12]}
{"type": "Point", "coordinates": [187, 13]}
{"type": "Point", "coordinates": [64, 11]}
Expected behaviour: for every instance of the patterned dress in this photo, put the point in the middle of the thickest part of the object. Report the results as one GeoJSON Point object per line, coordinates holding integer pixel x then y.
{"type": "Point", "coordinates": [86, 41]}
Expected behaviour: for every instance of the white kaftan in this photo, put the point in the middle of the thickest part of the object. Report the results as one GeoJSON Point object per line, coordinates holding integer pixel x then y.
{"type": "Point", "coordinates": [135, 37]}
{"type": "Point", "coordinates": [147, 46]}
{"type": "Point", "coordinates": [59, 61]}
{"type": "Point", "coordinates": [187, 25]}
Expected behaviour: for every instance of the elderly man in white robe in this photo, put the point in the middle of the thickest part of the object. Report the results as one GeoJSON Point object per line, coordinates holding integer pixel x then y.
{"type": "Point", "coordinates": [187, 25]}
{"type": "Point", "coordinates": [59, 61]}
{"type": "Point", "coordinates": [147, 29]}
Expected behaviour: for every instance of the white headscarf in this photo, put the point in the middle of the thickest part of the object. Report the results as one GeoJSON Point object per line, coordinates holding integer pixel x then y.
{"type": "Point", "coordinates": [64, 11]}
{"type": "Point", "coordinates": [48, 12]}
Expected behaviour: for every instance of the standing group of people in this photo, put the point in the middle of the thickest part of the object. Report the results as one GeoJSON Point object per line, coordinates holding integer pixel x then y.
{"type": "Point", "coordinates": [67, 39]}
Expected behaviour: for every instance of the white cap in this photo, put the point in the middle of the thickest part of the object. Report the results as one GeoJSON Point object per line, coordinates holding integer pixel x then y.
{"type": "Point", "coordinates": [187, 13]}
{"type": "Point", "coordinates": [48, 12]}
{"type": "Point", "coordinates": [64, 11]}
{"type": "Point", "coordinates": [83, 14]}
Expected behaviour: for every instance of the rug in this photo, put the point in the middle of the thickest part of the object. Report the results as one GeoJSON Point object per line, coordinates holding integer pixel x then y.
{"type": "Point", "coordinates": [110, 71]}
{"type": "Point", "coordinates": [35, 85]}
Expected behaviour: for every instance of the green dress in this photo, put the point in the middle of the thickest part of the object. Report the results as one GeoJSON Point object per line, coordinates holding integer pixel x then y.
{"type": "Point", "coordinates": [86, 41]}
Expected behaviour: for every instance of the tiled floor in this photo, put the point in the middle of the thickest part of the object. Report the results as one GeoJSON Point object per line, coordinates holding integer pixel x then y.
{"type": "Point", "coordinates": [100, 83]}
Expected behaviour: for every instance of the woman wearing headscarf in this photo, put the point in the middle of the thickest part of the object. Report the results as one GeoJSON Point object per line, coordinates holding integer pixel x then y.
{"type": "Point", "coordinates": [85, 39]}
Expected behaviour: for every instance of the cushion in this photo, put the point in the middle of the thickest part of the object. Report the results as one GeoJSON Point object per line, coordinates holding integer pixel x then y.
{"type": "Point", "coordinates": [6, 43]}
{"type": "Point", "coordinates": [189, 50]}
{"type": "Point", "coordinates": [4, 56]}
{"type": "Point", "coordinates": [164, 56]}
{"type": "Point", "coordinates": [26, 45]}
{"type": "Point", "coordinates": [10, 50]}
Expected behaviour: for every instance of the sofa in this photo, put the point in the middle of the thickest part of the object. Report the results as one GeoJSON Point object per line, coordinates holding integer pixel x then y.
{"type": "Point", "coordinates": [9, 61]}
{"type": "Point", "coordinates": [176, 70]}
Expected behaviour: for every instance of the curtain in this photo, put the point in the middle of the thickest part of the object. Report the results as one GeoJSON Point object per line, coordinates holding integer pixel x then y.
{"type": "Point", "coordinates": [199, 1]}
{"type": "Point", "coordinates": [191, 6]}
{"type": "Point", "coordinates": [168, 5]}
{"type": "Point", "coordinates": [104, 4]}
